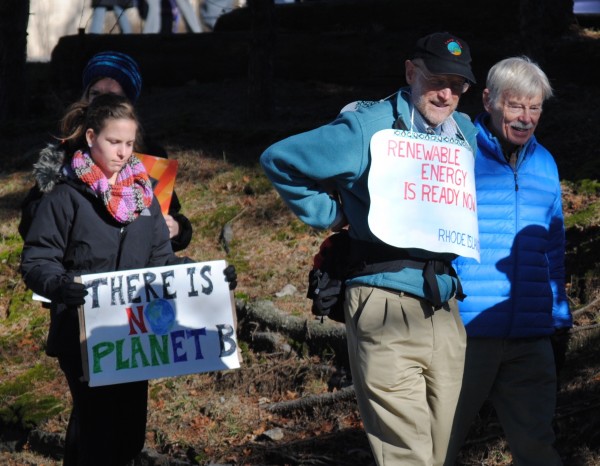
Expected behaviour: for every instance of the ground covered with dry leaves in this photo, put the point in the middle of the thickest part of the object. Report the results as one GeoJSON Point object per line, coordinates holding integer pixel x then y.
{"type": "Point", "coordinates": [227, 417]}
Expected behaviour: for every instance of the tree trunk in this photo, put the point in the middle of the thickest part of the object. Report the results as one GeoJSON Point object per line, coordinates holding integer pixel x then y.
{"type": "Point", "coordinates": [327, 338]}
{"type": "Point", "coordinates": [14, 16]}
{"type": "Point", "coordinates": [308, 403]}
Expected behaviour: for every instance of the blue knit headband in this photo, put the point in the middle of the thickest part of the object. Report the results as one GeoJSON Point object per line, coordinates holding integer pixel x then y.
{"type": "Point", "coordinates": [118, 66]}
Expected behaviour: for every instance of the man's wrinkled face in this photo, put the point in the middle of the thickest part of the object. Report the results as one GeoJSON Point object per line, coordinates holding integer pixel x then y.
{"type": "Point", "coordinates": [513, 118]}
{"type": "Point", "coordinates": [435, 96]}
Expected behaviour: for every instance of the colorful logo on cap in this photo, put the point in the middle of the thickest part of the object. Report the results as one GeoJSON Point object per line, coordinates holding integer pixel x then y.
{"type": "Point", "coordinates": [454, 48]}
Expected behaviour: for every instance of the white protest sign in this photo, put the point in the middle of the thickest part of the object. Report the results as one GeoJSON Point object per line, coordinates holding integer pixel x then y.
{"type": "Point", "coordinates": [422, 190]}
{"type": "Point", "coordinates": [157, 322]}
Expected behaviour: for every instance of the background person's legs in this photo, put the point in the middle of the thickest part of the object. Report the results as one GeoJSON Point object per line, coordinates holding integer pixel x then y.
{"type": "Point", "coordinates": [189, 15]}
{"type": "Point", "coordinates": [152, 24]}
{"type": "Point", "coordinates": [123, 20]}
{"type": "Point", "coordinates": [97, 26]}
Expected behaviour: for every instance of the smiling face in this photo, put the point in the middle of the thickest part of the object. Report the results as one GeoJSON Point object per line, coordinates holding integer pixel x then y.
{"type": "Point", "coordinates": [435, 96]}
{"type": "Point", "coordinates": [112, 147]}
{"type": "Point", "coordinates": [513, 118]}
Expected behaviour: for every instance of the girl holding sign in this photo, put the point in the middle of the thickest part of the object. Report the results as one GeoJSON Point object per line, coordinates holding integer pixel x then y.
{"type": "Point", "coordinates": [110, 72]}
{"type": "Point", "coordinates": [100, 215]}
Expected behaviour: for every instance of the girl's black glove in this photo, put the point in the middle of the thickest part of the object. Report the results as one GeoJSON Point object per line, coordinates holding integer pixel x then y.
{"type": "Point", "coordinates": [73, 293]}
{"type": "Point", "coordinates": [230, 276]}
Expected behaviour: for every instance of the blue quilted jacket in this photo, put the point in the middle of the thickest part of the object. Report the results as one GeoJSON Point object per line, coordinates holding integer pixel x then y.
{"type": "Point", "coordinates": [518, 288]}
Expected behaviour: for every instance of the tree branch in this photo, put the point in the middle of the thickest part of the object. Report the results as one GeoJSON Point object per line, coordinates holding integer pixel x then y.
{"type": "Point", "coordinates": [312, 401]}
{"type": "Point", "coordinates": [587, 307]}
{"type": "Point", "coordinates": [318, 337]}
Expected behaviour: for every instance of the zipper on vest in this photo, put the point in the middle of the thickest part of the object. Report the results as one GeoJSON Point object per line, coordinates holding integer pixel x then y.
{"type": "Point", "coordinates": [516, 180]}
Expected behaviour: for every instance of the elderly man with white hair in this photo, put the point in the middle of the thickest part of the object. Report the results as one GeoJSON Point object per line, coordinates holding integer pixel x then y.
{"type": "Point", "coordinates": [516, 297]}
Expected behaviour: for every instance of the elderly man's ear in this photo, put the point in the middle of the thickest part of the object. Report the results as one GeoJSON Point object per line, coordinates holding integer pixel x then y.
{"type": "Point", "coordinates": [486, 100]}
{"type": "Point", "coordinates": [409, 72]}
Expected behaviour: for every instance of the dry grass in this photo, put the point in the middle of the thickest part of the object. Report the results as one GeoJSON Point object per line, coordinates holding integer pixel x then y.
{"type": "Point", "coordinates": [270, 247]}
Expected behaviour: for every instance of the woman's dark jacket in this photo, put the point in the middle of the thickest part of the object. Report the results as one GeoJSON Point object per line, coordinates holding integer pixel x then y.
{"type": "Point", "coordinates": [72, 234]}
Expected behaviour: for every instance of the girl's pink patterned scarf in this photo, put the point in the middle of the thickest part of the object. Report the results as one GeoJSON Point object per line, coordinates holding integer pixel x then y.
{"type": "Point", "coordinates": [131, 193]}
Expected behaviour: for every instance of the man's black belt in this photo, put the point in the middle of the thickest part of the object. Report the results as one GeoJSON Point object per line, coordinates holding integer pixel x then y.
{"type": "Point", "coordinates": [367, 258]}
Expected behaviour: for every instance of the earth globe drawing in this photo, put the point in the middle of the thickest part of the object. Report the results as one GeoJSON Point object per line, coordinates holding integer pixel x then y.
{"type": "Point", "coordinates": [160, 315]}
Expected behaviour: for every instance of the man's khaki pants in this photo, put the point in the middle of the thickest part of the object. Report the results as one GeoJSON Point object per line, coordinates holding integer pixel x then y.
{"type": "Point", "coordinates": [407, 363]}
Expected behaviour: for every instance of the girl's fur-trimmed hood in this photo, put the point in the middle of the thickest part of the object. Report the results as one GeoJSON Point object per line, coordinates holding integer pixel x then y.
{"type": "Point", "coordinates": [47, 170]}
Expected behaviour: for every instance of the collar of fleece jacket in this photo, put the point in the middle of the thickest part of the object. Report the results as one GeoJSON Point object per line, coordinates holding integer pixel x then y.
{"type": "Point", "coordinates": [47, 170]}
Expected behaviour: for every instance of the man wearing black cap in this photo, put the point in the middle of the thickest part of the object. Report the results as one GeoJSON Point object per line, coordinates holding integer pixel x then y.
{"type": "Point", "coordinates": [397, 174]}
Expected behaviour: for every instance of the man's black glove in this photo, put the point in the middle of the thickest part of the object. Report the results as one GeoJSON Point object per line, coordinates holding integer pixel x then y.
{"type": "Point", "coordinates": [73, 293]}
{"type": "Point", "coordinates": [230, 276]}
